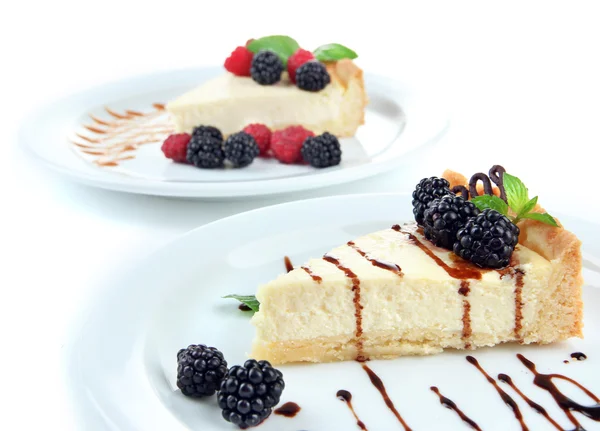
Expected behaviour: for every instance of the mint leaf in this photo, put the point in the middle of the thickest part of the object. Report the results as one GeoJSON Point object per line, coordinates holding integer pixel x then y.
{"type": "Point", "coordinates": [529, 206]}
{"type": "Point", "coordinates": [516, 193]}
{"type": "Point", "coordinates": [544, 218]}
{"type": "Point", "coordinates": [494, 202]}
{"type": "Point", "coordinates": [249, 300]}
{"type": "Point", "coordinates": [333, 52]}
{"type": "Point", "coordinates": [283, 46]}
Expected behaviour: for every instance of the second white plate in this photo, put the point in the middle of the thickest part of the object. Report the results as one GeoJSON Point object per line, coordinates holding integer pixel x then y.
{"type": "Point", "coordinates": [122, 360]}
{"type": "Point", "coordinates": [399, 120]}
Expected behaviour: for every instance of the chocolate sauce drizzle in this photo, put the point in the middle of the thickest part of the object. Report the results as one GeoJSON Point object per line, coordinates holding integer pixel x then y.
{"type": "Point", "coordinates": [289, 410]}
{"type": "Point", "coordinates": [535, 406]}
{"type": "Point", "coordinates": [495, 175]}
{"type": "Point", "coordinates": [519, 304]}
{"type": "Point", "coordinates": [579, 356]}
{"type": "Point", "coordinates": [388, 402]}
{"type": "Point", "coordinates": [244, 307]}
{"type": "Point", "coordinates": [288, 264]}
{"type": "Point", "coordinates": [378, 263]}
{"type": "Point", "coordinates": [346, 397]}
{"type": "Point", "coordinates": [505, 397]}
{"type": "Point", "coordinates": [314, 276]}
{"type": "Point", "coordinates": [360, 355]}
{"type": "Point", "coordinates": [544, 381]}
{"type": "Point", "coordinates": [449, 404]}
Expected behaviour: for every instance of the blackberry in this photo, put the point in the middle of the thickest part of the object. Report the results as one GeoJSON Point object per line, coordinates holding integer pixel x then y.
{"type": "Point", "coordinates": [322, 151]}
{"type": "Point", "coordinates": [427, 190]}
{"type": "Point", "coordinates": [266, 68]}
{"type": "Point", "coordinates": [444, 216]}
{"type": "Point", "coordinates": [240, 149]}
{"type": "Point", "coordinates": [249, 393]}
{"type": "Point", "coordinates": [205, 152]}
{"type": "Point", "coordinates": [312, 76]}
{"type": "Point", "coordinates": [487, 240]}
{"type": "Point", "coordinates": [210, 131]}
{"type": "Point", "coordinates": [200, 370]}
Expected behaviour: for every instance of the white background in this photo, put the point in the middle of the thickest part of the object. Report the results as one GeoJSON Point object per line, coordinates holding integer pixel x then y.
{"type": "Point", "coordinates": [522, 79]}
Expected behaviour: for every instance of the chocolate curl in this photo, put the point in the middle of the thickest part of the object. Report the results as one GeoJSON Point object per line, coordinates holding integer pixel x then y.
{"type": "Point", "coordinates": [496, 175]}
{"type": "Point", "coordinates": [487, 184]}
{"type": "Point", "coordinates": [462, 190]}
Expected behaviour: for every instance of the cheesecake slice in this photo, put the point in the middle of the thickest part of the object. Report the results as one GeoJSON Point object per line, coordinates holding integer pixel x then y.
{"type": "Point", "coordinates": [231, 102]}
{"type": "Point", "coordinates": [393, 293]}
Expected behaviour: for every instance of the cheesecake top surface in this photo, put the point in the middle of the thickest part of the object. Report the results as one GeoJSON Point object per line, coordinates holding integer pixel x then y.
{"type": "Point", "coordinates": [403, 252]}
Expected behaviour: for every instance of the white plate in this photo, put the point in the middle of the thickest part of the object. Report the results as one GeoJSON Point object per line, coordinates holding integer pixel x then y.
{"type": "Point", "coordinates": [399, 120]}
{"type": "Point", "coordinates": [122, 366]}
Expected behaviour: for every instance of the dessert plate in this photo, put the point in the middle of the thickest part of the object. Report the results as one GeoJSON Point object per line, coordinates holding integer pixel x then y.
{"type": "Point", "coordinates": [399, 119]}
{"type": "Point", "coordinates": [121, 360]}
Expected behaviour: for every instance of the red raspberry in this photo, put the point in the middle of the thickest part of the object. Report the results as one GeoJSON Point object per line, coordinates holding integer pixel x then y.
{"type": "Point", "coordinates": [239, 61]}
{"type": "Point", "coordinates": [262, 136]}
{"type": "Point", "coordinates": [287, 143]}
{"type": "Point", "coordinates": [175, 147]}
{"type": "Point", "coordinates": [296, 60]}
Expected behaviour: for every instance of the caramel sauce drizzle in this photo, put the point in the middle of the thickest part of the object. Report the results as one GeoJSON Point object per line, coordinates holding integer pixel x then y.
{"type": "Point", "coordinates": [114, 140]}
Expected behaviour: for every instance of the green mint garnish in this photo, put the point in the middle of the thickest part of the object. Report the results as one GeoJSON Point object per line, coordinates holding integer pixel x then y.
{"type": "Point", "coordinates": [334, 52]}
{"type": "Point", "coordinates": [517, 196]}
{"type": "Point", "coordinates": [249, 300]}
{"type": "Point", "coordinates": [283, 46]}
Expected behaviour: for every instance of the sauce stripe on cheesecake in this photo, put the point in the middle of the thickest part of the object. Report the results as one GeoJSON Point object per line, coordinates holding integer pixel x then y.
{"type": "Point", "coordinates": [360, 356]}
{"type": "Point", "coordinates": [390, 266]}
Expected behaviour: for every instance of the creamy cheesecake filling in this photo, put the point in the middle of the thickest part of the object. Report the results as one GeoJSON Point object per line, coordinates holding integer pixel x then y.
{"type": "Point", "coordinates": [235, 101]}
{"type": "Point", "coordinates": [433, 302]}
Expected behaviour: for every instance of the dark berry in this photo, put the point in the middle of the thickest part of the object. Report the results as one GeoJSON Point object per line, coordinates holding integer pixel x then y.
{"type": "Point", "coordinates": [427, 190]}
{"type": "Point", "coordinates": [205, 152]}
{"type": "Point", "coordinates": [266, 68]}
{"type": "Point", "coordinates": [248, 393]}
{"type": "Point", "coordinates": [200, 370]}
{"type": "Point", "coordinates": [240, 149]}
{"type": "Point", "coordinates": [312, 76]}
{"type": "Point", "coordinates": [209, 131]}
{"type": "Point", "coordinates": [487, 240]}
{"type": "Point", "coordinates": [322, 151]}
{"type": "Point", "coordinates": [444, 217]}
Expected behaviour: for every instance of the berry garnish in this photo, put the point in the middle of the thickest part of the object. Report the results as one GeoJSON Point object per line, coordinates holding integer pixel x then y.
{"type": "Point", "coordinates": [262, 137]}
{"type": "Point", "coordinates": [240, 149]}
{"type": "Point", "coordinates": [296, 60]}
{"type": "Point", "coordinates": [312, 76]}
{"type": "Point", "coordinates": [200, 370]}
{"type": "Point", "coordinates": [286, 144]}
{"type": "Point", "coordinates": [427, 190]}
{"type": "Point", "coordinates": [487, 240]}
{"type": "Point", "coordinates": [444, 217]}
{"type": "Point", "coordinates": [209, 131]}
{"type": "Point", "coordinates": [248, 393]}
{"type": "Point", "coordinates": [266, 68]}
{"type": "Point", "coordinates": [175, 147]}
{"type": "Point", "coordinates": [322, 151]}
{"type": "Point", "coordinates": [239, 61]}
{"type": "Point", "coordinates": [205, 152]}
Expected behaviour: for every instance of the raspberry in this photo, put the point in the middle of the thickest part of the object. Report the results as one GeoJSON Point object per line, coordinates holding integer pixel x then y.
{"type": "Point", "coordinates": [286, 144]}
{"type": "Point", "coordinates": [239, 61]}
{"type": "Point", "coordinates": [175, 147]}
{"type": "Point", "coordinates": [312, 76]}
{"type": "Point", "coordinates": [266, 68]}
{"type": "Point", "coordinates": [262, 136]}
{"type": "Point", "coordinates": [322, 151]}
{"type": "Point", "coordinates": [296, 60]}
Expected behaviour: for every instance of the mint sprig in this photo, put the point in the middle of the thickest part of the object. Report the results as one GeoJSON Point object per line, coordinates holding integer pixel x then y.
{"type": "Point", "coordinates": [249, 300]}
{"type": "Point", "coordinates": [283, 46]}
{"type": "Point", "coordinates": [517, 196]}
{"type": "Point", "coordinates": [334, 52]}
